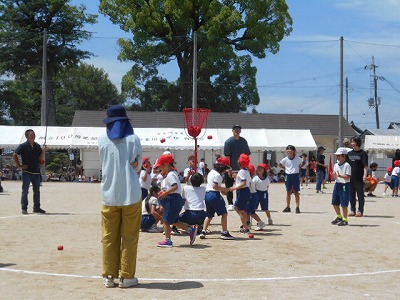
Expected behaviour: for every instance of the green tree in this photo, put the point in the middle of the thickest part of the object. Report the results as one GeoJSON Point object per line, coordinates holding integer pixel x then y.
{"type": "Point", "coordinates": [84, 88]}
{"type": "Point", "coordinates": [22, 23]}
{"type": "Point", "coordinates": [229, 33]}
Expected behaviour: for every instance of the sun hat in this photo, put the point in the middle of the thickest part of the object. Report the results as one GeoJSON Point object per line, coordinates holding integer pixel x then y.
{"type": "Point", "coordinates": [389, 169]}
{"type": "Point", "coordinates": [340, 151]}
{"type": "Point", "coordinates": [115, 113]}
{"type": "Point", "coordinates": [264, 166]}
{"type": "Point", "coordinates": [321, 148]}
{"type": "Point", "coordinates": [236, 126]}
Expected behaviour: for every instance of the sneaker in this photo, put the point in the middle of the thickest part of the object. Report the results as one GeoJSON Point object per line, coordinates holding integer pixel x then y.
{"type": "Point", "coordinates": [109, 281]}
{"type": "Point", "coordinates": [343, 223]}
{"type": "Point", "coordinates": [352, 214]}
{"type": "Point", "coordinates": [165, 244]}
{"type": "Point", "coordinates": [227, 236]}
{"type": "Point", "coordinates": [270, 222]}
{"type": "Point", "coordinates": [301, 187]}
{"type": "Point", "coordinates": [244, 231]}
{"type": "Point", "coordinates": [154, 229]}
{"type": "Point", "coordinates": [125, 283]}
{"type": "Point", "coordinates": [384, 194]}
{"type": "Point", "coordinates": [260, 226]}
{"type": "Point", "coordinates": [202, 235]}
{"type": "Point", "coordinates": [39, 211]}
{"type": "Point", "coordinates": [297, 210]}
{"type": "Point", "coordinates": [336, 221]}
{"type": "Point", "coordinates": [230, 207]}
{"type": "Point", "coordinates": [359, 214]}
{"type": "Point", "coordinates": [370, 195]}
{"type": "Point", "coordinates": [287, 209]}
{"type": "Point", "coordinates": [175, 230]}
{"type": "Point", "coordinates": [24, 212]}
{"type": "Point", "coordinates": [192, 234]}
{"type": "Point", "coordinates": [307, 187]}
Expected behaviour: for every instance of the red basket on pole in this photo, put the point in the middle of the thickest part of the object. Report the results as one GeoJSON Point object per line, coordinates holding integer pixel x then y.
{"type": "Point", "coordinates": [194, 122]}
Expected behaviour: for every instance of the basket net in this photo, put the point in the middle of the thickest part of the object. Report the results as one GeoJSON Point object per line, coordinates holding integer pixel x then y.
{"type": "Point", "coordinates": [194, 120]}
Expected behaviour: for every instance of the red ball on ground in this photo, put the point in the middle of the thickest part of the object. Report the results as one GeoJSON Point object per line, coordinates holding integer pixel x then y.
{"type": "Point", "coordinates": [251, 236]}
{"type": "Point", "coordinates": [61, 247]}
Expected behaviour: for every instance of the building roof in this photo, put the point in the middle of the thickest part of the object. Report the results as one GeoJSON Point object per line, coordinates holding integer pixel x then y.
{"type": "Point", "coordinates": [319, 125]}
{"type": "Point", "coordinates": [380, 132]}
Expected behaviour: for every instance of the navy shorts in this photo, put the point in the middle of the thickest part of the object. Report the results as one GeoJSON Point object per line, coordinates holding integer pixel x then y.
{"type": "Point", "coordinates": [242, 198]}
{"type": "Point", "coordinates": [395, 181]}
{"type": "Point", "coordinates": [389, 184]}
{"type": "Point", "coordinates": [303, 173]}
{"type": "Point", "coordinates": [172, 205]}
{"type": "Point", "coordinates": [215, 204]}
{"type": "Point", "coordinates": [341, 194]}
{"type": "Point", "coordinates": [193, 217]}
{"type": "Point", "coordinates": [292, 182]}
{"type": "Point", "coordinates": [147, 222]}
{"type": "Point", "coordinates": [145, 192]}
{"type": "Point", "coordinates": [252, 205]}
{"type": "Point", "coordinates": [262, 197]}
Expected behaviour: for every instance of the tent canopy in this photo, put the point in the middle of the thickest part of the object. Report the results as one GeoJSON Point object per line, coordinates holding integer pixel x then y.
{"type": "Point", "coordinates": [158, 138]}
{"type": "Point", "coordinates": [382, 143]}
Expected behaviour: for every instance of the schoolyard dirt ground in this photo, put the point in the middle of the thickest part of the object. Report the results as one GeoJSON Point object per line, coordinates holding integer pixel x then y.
{"type": "Point", "coordinates": [302, 256]}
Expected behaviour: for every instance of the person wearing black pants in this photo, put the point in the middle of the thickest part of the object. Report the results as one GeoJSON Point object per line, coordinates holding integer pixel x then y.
{"type": "Point", "coordinates": [233, 147]}
{"type": "Point", "coordinates": [358, 160]}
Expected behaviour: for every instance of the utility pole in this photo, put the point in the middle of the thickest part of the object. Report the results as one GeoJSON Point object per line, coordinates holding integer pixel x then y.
{"type": "Point", "coordinates": [375, 101]}
{"type": "Point", "coordinates": [347, 99]}
{"type": "Point", "coordinates": [44, 107]}
{"type": "Point", "coordinates": [194, 95]}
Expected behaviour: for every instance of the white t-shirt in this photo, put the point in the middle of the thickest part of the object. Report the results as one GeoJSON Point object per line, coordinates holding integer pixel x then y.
{"type": "Point", "coordinates": [292, 166]}
{"type": "Point", "coordinates": [388, 178]}
{"type": "Point", "coordinates": [194, 197]}
{"type": "Point", "coordinates": [343, 169]}
{"type": "Point", "coordinates": [171, 179]}
{"type": "Point", "coordinates": [145, 184]}
{"type": "Point", "coordinates": [261, 184]}
{"type": "Point", "coordinates": [396, 171]}
{"type": "Point", "coordinates": [304, 164]}
{"type": "Point", "coordinates": [213, 178]}
{"type": "Point", "coordinates": [243, 175]}
{"type": "Point", "coordinates": [152, 201]}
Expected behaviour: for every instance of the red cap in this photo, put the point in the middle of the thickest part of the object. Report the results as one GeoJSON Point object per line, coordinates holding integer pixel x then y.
{"type": "Point", "coordinates": [144, 158]}
{"type": "Point", "coordinates": [164, 159]}
{"type": "Point", "coordinates": [252, 169]}
{"type": "Point", "coordinates": [264, 166]}
{"type": "Point", "coordinates": [396, 163]}
{"type": "Point", "coordinates": [244, 160]}
{"type": "Point", "coordinates": [224, 161]}
{"type": "Point", "coordinates": [389, 169]}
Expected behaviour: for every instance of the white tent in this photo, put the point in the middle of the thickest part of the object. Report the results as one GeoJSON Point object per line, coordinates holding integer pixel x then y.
{"type": "Point", "coordinates": [156, 140]}
{"type": "Point", "coordinates": [382, 143]}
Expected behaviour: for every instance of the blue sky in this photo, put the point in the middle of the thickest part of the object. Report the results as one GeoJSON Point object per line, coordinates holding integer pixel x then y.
{"type": "Point", "coordinates": [303, 77]}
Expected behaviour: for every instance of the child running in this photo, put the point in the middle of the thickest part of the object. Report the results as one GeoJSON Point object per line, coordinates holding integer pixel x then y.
{"type": "Point", "coordinates": [304, 171]}
{"type": "Point", "coordinates": [171, 200]}
{"type": "Point", "coordinates": [214, 201]}
{"type": "Point", "coordinates": [341, 190]}
{"type": "Point", "coordinates": [151, 212]}
{"type": "Point", "coordinates": [261, 183]}
{"type": "Point", "coordinates": [145, 177]}
{"type": "Point", "coordinates": [242, 188]}
{"type": "Point", "coordinates": [291, 163]}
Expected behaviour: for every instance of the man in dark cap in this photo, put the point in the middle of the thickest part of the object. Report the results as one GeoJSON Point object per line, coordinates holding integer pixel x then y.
{"type": "Point", "coordinates": [234, 146]}
{"type": "Point", "coordinates": [120, 151]}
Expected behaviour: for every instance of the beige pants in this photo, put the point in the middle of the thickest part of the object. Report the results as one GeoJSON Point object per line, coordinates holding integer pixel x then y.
{"type": "Point", "coordinates": [120, 236]}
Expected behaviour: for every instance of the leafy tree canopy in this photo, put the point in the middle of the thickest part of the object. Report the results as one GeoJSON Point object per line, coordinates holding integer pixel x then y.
{"type": "Point", "coordinates": [22, 23]}
{"type": "Point", "coordinates": [229, 32]}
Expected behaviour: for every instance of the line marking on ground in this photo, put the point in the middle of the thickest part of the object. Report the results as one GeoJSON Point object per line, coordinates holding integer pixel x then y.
{"type": "Point", "coordinates": [212, 279]}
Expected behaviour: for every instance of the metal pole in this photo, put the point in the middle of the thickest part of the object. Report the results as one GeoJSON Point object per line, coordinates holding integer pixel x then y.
{"type": "Point", "coordinates": [340, 142]}
{"type": "Point", "coordinates": [347, 99]}
{"type": "Point", "coordinates": [44, 110]}
{"type": "Point", "coordinates": [194, 98]}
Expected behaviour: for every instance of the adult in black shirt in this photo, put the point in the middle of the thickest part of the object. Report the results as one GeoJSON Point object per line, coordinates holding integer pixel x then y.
{"type": "Point", "coordinates": [358, 160]}
{"type": "Point", "coordinates": [320, 166]}
{"type": "Point", "coordinates": [32, 155]}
